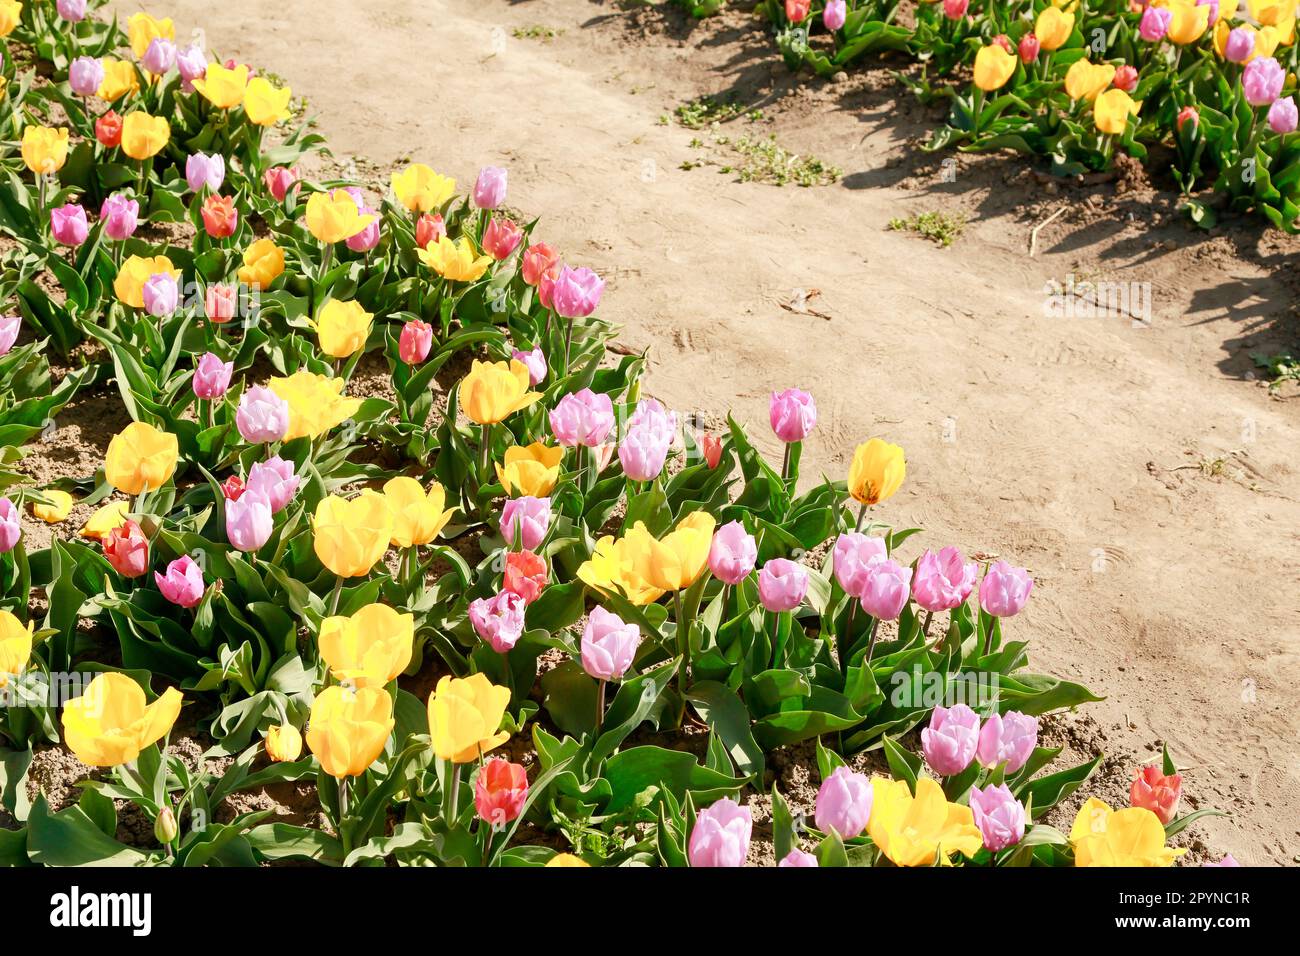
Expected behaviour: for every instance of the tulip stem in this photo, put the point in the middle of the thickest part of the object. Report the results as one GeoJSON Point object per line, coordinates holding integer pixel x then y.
{"type": "Point", "coordinates": [568, 339]}
{"type": "Point", "coordinates": [484, 453]}
{"type": "Point", "coordinates": [862, 515]}
{"type": "Point", "coordinates": [453, 793]}
{"type": "Point", "coordinates": [600, 704]}
{"type": "Point", "coordinates": [335, 594]}
{"type": "Point", "coordinates": [683, 641]}
{"type": "Point", "coordinates": [785, 466]}
{"type": "Point", "coordinates": [871, 641]}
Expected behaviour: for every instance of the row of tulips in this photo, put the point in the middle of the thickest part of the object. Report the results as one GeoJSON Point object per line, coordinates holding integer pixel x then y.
{"type": "Point", "coordinates": [381, 598]}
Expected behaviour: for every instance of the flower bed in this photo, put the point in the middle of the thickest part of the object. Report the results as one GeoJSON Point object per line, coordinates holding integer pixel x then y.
{"type": "Point", "coordinates": [512, 551]}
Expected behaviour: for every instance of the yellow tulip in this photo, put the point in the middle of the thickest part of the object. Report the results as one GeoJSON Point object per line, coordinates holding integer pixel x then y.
{"type": "Point", "coordinates": [143, 29]}
{"type": "Point", "coordinates": [263, 264]}
{"type": "Point", "coordinates": [464, 715]}
{"type": "Point", "coordinates": [347, 730]}
{"type": "Point", "coordinates": [456, 261]}
{"type": "Point", "coordinates": [350, 537]}
{"type": "Point", "coordinates": [676, 560]}
{"type": "Point", "coordinates": [15, 646]}
{"type": "Point", "coordinates": [1189, 23]}
{"type": "Point", "coordinates": [612, 568]}
{"type": "Point", "coordinates": [45, 150]}
{"type": "Point", "coordinates": [283, 743]}
{"type": "Point", "coordinates": [877, 471]}
{"type": "Point", "coordinates": [343, 328]}
{"type": "Point", "coordinates": [1053, 27]}
{"type": "Point", "coordinates": [530, 470]}
{"type": "Point", "coordinates": [120, 79]}
{"type": "Point", "coordinates": [1272, 13]}
{"type": "Point", "coordinates": [1085, 81]}
{"type": "Point", "coordinates": [111, 723]}
{"type": "Point", "coordinates": [265, 104]}
{"type": "Point", "coordinates": [4, 87]}
{"type": "Point", "coordinates": [493, 391]}
{"type": "Point", "coordinates": [135, 272]}
{"type": "Point", "coordinates": [1221, 31]}
{"type": "Point", "coordinates": [108, 518]}
{"type": "Point", "coordinates": [1267, 40]}
{"type": "Point", "coordinates": [143, 135]}
{"type": "Point", "coordinates": [993, 67]}
{"type": "Point", "coordinates": [223, 88]}
{"type": "Point", "coordinates": [1130, 837]}
{"type": "Point", "coordinates": [1112, 110]}
{"type": "Point", "coordinates": [917, 831]}
{"type": "Point", "coordinates": [370, 648]}
{"type": "Point", "coordinates": [567, 860]}
{"type": "Point", "coordinates": [420, 189]}
{"type": "Point", "coordinates": [418, 517]}
{"type": "Point", "coordinates": [58, 508]}
{"type": "Point", "coordinates": [334, 216]}
{"type": "Point", "coordinates": [11, 12]}
{"type": "Point", "coordinates": [140, 458]}
{"type": "Point", "coordinates": [316, 403]}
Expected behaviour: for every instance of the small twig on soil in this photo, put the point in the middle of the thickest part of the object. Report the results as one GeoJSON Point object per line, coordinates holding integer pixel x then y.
{"type": "Point", "coordinates": [1033, 235]}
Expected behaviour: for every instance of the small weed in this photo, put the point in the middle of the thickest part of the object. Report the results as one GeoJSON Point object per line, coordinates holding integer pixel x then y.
{"type": "Point", "coordinates": [705, 111]}
{"type": "Point", "coordinates": [537, 32]}
{"type": "Point", "coordinates": [941, 227]}
{"type": "Point", "coordinates": [764, 160]}
{"type": "Point", "coordinates": [1281, 368]}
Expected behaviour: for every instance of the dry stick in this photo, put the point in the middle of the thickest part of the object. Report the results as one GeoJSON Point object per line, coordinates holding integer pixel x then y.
{"type": "Point", "coordinates": [1033, 235]}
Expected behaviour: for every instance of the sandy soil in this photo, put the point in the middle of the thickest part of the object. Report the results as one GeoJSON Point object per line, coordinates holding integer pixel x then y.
{"type": "Point", "coordinates": [1140, 472]}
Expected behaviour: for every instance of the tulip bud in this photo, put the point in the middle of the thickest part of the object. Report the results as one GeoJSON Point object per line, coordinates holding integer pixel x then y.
{"type": "Point", "coordinates": [608, 645]}
{"type": "Point", "coordinates": [999, 816]}
{"type": "Point", "coordinates": [1283, 115]}
{"type": "Point", "coordinates": [283, 743]}
{"type": "Point", "coordinates": [182, 585]}
{"type": "Point", "coordinates": [537, 259]}
{"type": "Point", "coordinates": [415, 342]}
{"type": "Point", "coordinates": [279, 180]}
{"type": "Point", "coordinates": [74, 11]}
{"type": "Point", "coordinates": [792, 413]}
{"type": "Point", "coordinates": [1028, 48]}
{"type": "Point", "coordinates": [165, 829]}
{"type": "Point", "coordinates": [722, 831]}
{"type": "Point", "coordinates": [120, 215]}
{"type": "Point", "coordinates": [525, 521]}
{"type": "Point", "coordinates": [534, 361]}
{"type": "Point", "coordinates": [1126, 78]}
{"type": "Point", "coordinates": [276, 480]}
{"type": "Point", "coordinates": [885, 591]}
{"type": "Point", "coordinates": [108, 130]}
{"type": "Point", "coordinates": [212, 376]}
{"type": "Point", "coordinates": [577, 292]}
{"type": "Point", "coordinates": [248, 521]}
{"type": "Point", "coordinates": [956, 9]}
{"type": "Point", "coordinates": [263, 416]}
{"type": "Point", "coordinates": [500, 791]}
{"type": "Point", "coordinates": [1005, 590]}
{"type": "Point", "coordinates": [1188, 114]}
{"type": "Point", "coordinates": [11, 527]}
{"type": "Point", "coordinates": [10, 326]}
{"type": "Point", "coordinates": [733, 553]}
{"type": "Point", "coordinates": [1152, 790]}
{"type": "Point", "coordinates": [943, 581]}
{"type": "Point", "coordinates": [160, 56]}
{"type": "Point", "coordinates": [220, 217]}
{"type": "Point", "coordinates": [1003, 41]}
{"type": "Point", "coordinates": [854, 555]}
{"type": "Point", "coordinates": [490, 189]}
{"type": "Point", "coordinates": [835, 14]}
{"type": "Point", "coordinates": [798, 858]}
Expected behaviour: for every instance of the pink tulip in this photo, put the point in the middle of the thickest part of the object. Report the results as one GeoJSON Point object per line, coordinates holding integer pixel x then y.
{"type": "Point", "coordinates": [69, 225]}
{"type": "Point", "coordinates": [263, 416]}
{"type": "Point", "coordinates": [161, 295]}
{"type": "Point", "coordinates": [1028, 48]}
{"type": "Point", "coordinates": [160, 56]}
{"type": "Point", "coordinates": [999, 816]}
{"type": "Point", "coordinates": [203, 170]}
{"type": "Point", "coordinates": [608, 645]}
{"type": "Point", "coordinates": [1007, 738]}
{"type": "Point", "coordinates": [950, 742]}
{"type": "Point", "coordinates": [499, 620]}
{"type": "Point", "coordinates": [1283, 116]}
{"type": "Point", "coordinates": [1240, 45]}
{"type": "Point", "coordinates": [212, 376]}
{"type": "Point", "coordinates": [368, 237]}
{"type": "Point", "coordinates": [535, 360]}
{"type": "Point", "coordinates": [577, 293]}
{"type": "Point", "coordinates": [279, 180]}
{"type": "Point", "coordinates": [1262, 81]}
{"type": "Point", "coordinates": [955, 9]}
{"type": "Point", "coordinates": [191, 63]}
{"type": "Point", "coordinates": [415, 342]}
{"type": "Point", "coordinates": [220, 302]}
{"type": "Point", "coordinates": [501, 238]}
{"type": "Point", "coordinates": [183, 583]}
{"type": "Point", "coordinates": [1155, 24]}
{"type": "Point", "coordinates": [85, 75]}
{"type": "Point", "coordinates": [127, 550]}
{"type": "Point", "coordinates": [490, 188]}
{"type": "Point", "coordinates": [11, 525]}
{"type": "Point", "coordinates": [1214, 10]}
{"type": "Point", "coordinates": [74, 11]}
{"type": "Point", "coordinates": [884, 595]}
{"type": "Point", "coordinates": [797, 857]}
{"type": "Point", "coordinates": [120, 216]}
{"type": "Point", "coordinates": [1186, 115]}
{"type": "Point", "coordinates": [429, 228]}
{"type": "Point", "coordinates": [844, 803]}
{"type": "Point", "coordinates": [1152, 790]}
{"type": "Point", "coordinates": [1005, 589]}
{"type": "Point", "coordinates": [855, 553]}
{"type": "Point", "coordinates": [583, 418]}
{"type": "Point", "coordinates": [793, 413]}
{"type": "Point", "coordinates": [650, 432]}
{"type": "Point", "coordinates": [733, 553]}
{"type": "Point", "coordinates": [833, 18]}
{"type": "Point", "coordinates": [275, 480]}
{"type": "Point", "coordinates": [525, 521]}
{"type": "Point", "coordinates": [1126, 79]}
{"type": "Point", "coordinates": [721, 835]}
{"type": "Point", "coordinates": [10, 326]}
{"type": "Point", "coordinates": [782, 585]}
{"type": "Point", "coordinates": [943, 580]}
{"type": "Point", "coordinates": [1228, 860]}
{"type": "Point", "coordinates": [248, 521]}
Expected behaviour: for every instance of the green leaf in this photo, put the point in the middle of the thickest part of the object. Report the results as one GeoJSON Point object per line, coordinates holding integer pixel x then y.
{"type": "Point", "coordinates": [722, 709]}
{"type": "Point", "coordinates": [631, 772]}
{"type": "Point", "coordinates": [70, 838]}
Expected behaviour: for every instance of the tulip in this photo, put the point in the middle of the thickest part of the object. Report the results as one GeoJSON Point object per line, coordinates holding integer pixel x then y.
{"type": "Point", "coordinates": [536, 260]}
{"type": "Point", "coordinates": [265, 104]}
{"type": "Point", "coordinates": [1111, 111]}
{"type": "Point", "coordinates": [220, 217]}
{"type": "Point", "coordinates": [135, 272]}
{"type": "Point", "coordinates": [793, 413]}
{"type": "Point", "coordinates": [120, 79]}
{"type": "Point", "coordinates": [464, 714]}
{"type": "Point", "coordinates": [418, 515]}
{"type": "Point", "coordinates": [1155, 23]}
{"type": "Point", "coordinates": [192, 64]}
{"type": "Point", "coordinates": [283, 743]}
{"type": "Point", "coordinates": [85, 74]}
{"type": "Point", "coordinates": [643, 453]}
{"type": "Point", "coordinates": [343, 328]}
{"type": "Point", "coordinates": [263, 263]}
{"type": "Point", "coordinates": [493, 391]}
{"type": "Point", "coordinates": [161, 295]}
{"type": "Point", "coordinates": [608, 645]}
{"type": "Point", "coordinates": [275, 480]}
{"type": "Point", "coordinates": [1240, 45]}
{"type": "Point", "coordinates": [1188, 23]}
{"type": "Point", "coordinates": [797, 858]}
{"type": "Point", "coordinates": [499, 620]}
{"type": "Point", "coordinates": [140, 458]}
{"type": "Point", "coordinates": [429, 228]}
{"type": "Point", "coordinates": [1154, 791]}
{"type": "Point", "coordinates": [999, 816]}
{"type": "Point", "coordinates": [711, 447]}
{"type": "Point", "coordinates": [108, 130]}
{"type": "Point", "coordinates": [1028, 48]}
{"type": "Point", "coordinates": [844, 803]}
{"type": "Point", "coordinates": [1228, 860]}
{"type": "Point", "coordinates": [10, 326]}
{"type": "Point", "coordinates": [1008, 739]}
{"type": "Point", "coordinates": [111, 723]}
{"type": "Point", "coordinates": [45, 150]}
{"type": "Point", "coordinates": [316, 403]}
{"type": "Point", "coordinates": [262, 416]}
{"type": "Point", "coordinates": [525, 575]}
{"type": "Point", "coordinates": [370, 648]}
{"type": "Point", "coordinates": [583, 418]}
{"type": "Point", "coordinates": [1085, 81]}
{"type": "Point", "coordinates": [1262, 81]}
{"type": "Point", "coordinates": [733, 553]}
{"type": "Point", "coordinates": [232, 488]}
{"type": "Point", "coordinates": [57, 510]}
{"type": "Point", "coordinates": [877, 471]}
{"type": "Point", "coordinates": [1114, 838]}
{"type": "Point", "coordinates": [456, 261]}
{"type": "Point", "coordinates": [367, 238]}
{"type": "Point", "coordinates": [279, 180]}
{"type": "Point", "coordinates": [143, 29]}
{"type": "Point", "coordinates": [782, 585]}
{"type": "Point", "coordinates": [1282, 115]}
{"type": "Point", "coordinates": [1126, 79]}
{"type": "Point", "coordinates": [223, 86]}
{"type": "Point", "coordinates": [1004, 41]}
{"type": "Point", "coordinates": [915, 830]}
{"type": "Point", "coordinates": [1186, 115]}
{"type": "Point", "coordinates": [348, 729]}
{"type": "Point", "coordinates": [121, 216]}
{"type": "Point", "coordinates": [855, 553]}
{"type": "Point", "coordinates": [577, 293]}
{"type": "Point", "coordinates": [796, 11]}
{"type": "Point", "coordinates": [722, 831]}
{"type": "Point", "coordinates": [530, 469]}
{"type": "Point", "coordinates": [15, 646]}
{"type": "Point", "coordinates": [535, 361]}
{"type": "Point", "coordinates": [675, 561]}
{"type": "Point", "coordinates": [525, 521]}
{"type": "Point", "coordinates": [159, 57]}
{"type": "Point", "coordinates": [612, 568]}
{"type": "Point", "coordinates": [68, 224]}
{"type": "Point", "coordinates": [955, 9]}
{"type": "Point", "coordinates": [351, 536]}
{"type": "Point", "coordinates": [248, 521]}
{"type": "Point", "coordinates": [490, 188]}
{"type": "Point", "coordinates": [333, 216]}
{"type": "Point", "coordinates": [127, 550]}
{"type": "Point", "coordinates": [420, 189]}
{"type": "Point", "coordinates": [950, 742]}
{"type": "Point", "coordinates": [415, 342]}
{"type": "Point", "coordinates": [1005, 589]}
{"type": "Point", "coordinates": [501, 238]}
{"type": "Point", "coordinates": [11, 526]}
{"type": "Point", "coordinates": [884, 590]}
{"type": "Point", "coordinates": [182, 585]}
{"type": "Point", "coordinates": [212, 376]}
{"type": "Point", "coordinates": [1053, 27]}
{"type": "Point", "coordinates": [546, 285]}
{"type": "Point", "coordinates": [74, 11]}
{"type": "Point", "coordinates": [835, 14]}
{"type": "Point", "coordinates": [220, 302]}
{"type": "Point", "coordinates": [105, 520]}
{"type": "Point", "coordinates": [563, 860]}
{"type": "Point", "coordinates": [1213, 7]}
{"type": "Point", "coordinates": [500, 791]}
{"type": "Point", "coordinates": [144, 136]}
{"type": "Point", "coordinates": [943, 581]}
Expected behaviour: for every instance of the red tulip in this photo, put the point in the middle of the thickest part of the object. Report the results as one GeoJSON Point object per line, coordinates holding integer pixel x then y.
{"type": "Point", "coordinates": [1188, 114]}
{"type": "Point", "coordinates": [1153, 791]}
{"type": "Point", "coordinates": [500, 791]}
{"type": "Point", "coordinates": [501, 238]}
{"type": "Point", "coordinates": [1126, 79]}
{"type": "Point", "coordinates": [1001, 40]}
{"type": "Point", "coordinates": [538, 259]}
{"type": "Point", "coordinates": [711, 445]}
{"type": "Point", "coordinates": [1029, 47]}
{"type": "Point", "coordinates": [108, 129]}
{"type": "Point", "coordinates": [525, 574]}
{"type": "Point", "coordinates": [127, 550]}
{"type": "Point", "coordinates": [220, 217]}
{"type": "Point", "coordinates": [796, 11]}
{"type": "Point", "coordinates": [232, 488]}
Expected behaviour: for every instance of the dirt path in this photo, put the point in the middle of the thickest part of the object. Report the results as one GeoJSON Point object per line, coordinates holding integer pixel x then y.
{"type": "Point", "coordinates": [1085, 448]}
